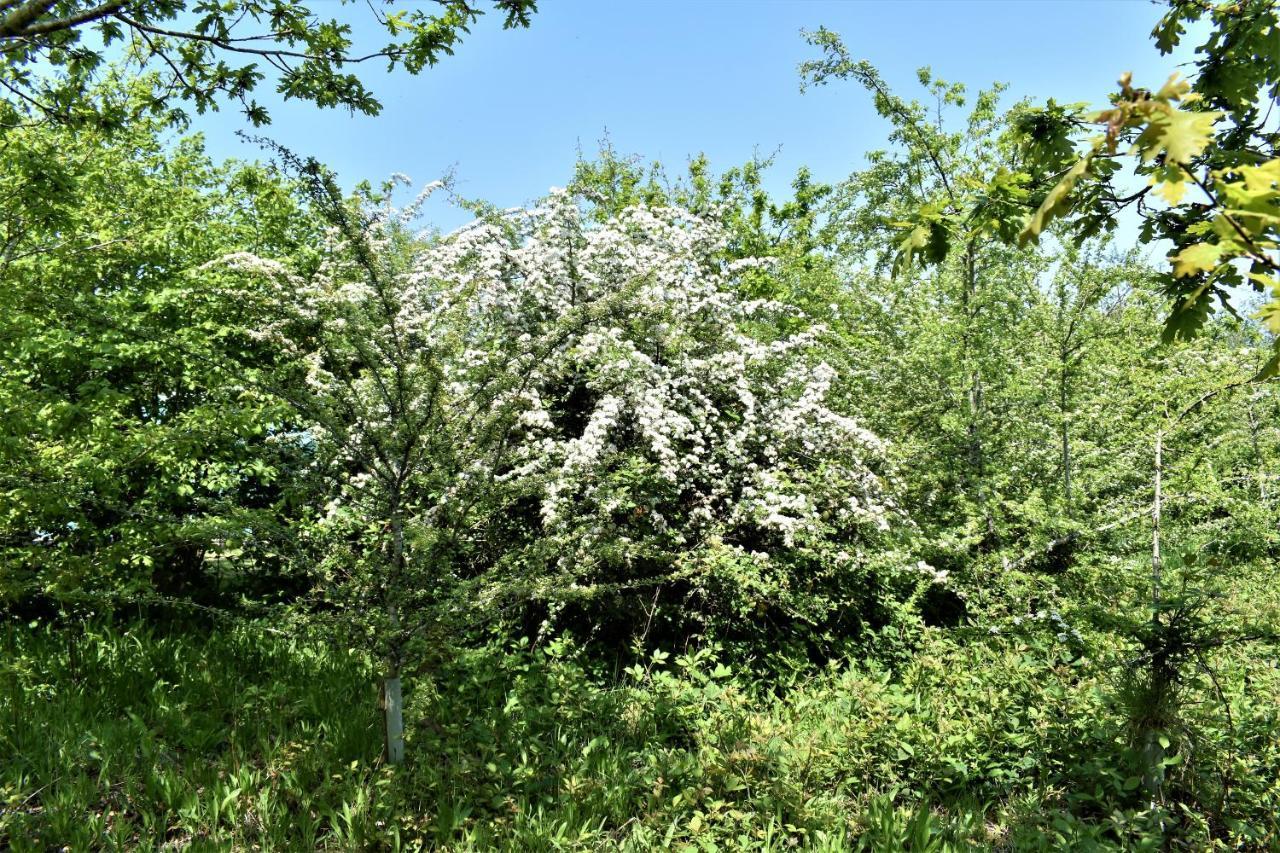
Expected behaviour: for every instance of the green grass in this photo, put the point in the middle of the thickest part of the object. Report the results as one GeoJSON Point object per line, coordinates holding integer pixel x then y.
{"type": "Point", "coordinates": [245, 738]}
{"type": "Point", "coordinates": [129, 738]}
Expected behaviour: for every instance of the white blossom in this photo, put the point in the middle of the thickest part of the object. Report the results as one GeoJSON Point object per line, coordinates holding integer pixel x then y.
{"type": "Point", "coordinates": [589, 347]}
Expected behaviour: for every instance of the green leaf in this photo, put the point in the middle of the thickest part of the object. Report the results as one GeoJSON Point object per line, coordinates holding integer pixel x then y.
{"type": "Point", "coordinates": [1190, 315]}
{"type": "Point", "coordinates": [1270, 313]}
{"type": "Point", "coordinates": [1058, 201]}
{"type": "Point", "coordinates": [1197, 258]}
{"type": "Point", "coordinates": [929, 239]}
{"type": "Point", "coordinates": [1180, 134]}
{"type": "Point", "coordinates": [1168, 32]}
{"type": "Point", "coordinates": [1170, 182]}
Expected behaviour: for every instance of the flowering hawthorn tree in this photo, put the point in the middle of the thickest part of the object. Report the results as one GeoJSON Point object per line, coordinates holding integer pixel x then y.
{"type": "Point", "coordinates": [667, 434]}
{"type": "Point", "coordinates": [542, 407]}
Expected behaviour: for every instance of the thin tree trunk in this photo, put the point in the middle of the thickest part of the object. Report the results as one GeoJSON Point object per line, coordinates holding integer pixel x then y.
{"type": "Point", "coordinates": [392, 703]}
{"type": "Point", "coordinates": [1152, 749]}
{"type": "Point", "coordinates": [1155, 526]}
{"type": "Point", "coordinates": [1066, 441]}
{"type": "Point", "coordinates": [393, 720]}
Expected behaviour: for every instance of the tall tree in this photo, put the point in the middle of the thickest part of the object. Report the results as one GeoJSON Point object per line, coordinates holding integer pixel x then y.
{"type": "Point", "coordinates": [928, 179]}
{"type": "Point", "coordinates": [137, 458]}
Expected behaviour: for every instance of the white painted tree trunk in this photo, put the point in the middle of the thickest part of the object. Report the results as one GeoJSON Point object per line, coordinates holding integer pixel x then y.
{"type": "Point", "coordinates": [1152, 748]}
{"type": "Point", "coordinates": [393, 719]}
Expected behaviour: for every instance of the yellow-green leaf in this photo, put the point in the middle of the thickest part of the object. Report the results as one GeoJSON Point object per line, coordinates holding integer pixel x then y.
{"type": "Point", "coordinates": [1269, 314]}
{"type": "Point", "coordinates": [1196, 258]}
{"type": "Point", "coordinates": [1170, 183]}
{"type": "Point", "coordinates": [1180, 134]}
{"type": "Point", "coordinates": [1174, 89]}
{"type": "Point", "coordinates": [1057, 201]}
{"type": "Point", "coordinates": [1172, 191]}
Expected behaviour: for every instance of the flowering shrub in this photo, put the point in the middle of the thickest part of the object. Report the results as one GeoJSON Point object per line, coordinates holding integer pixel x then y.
{"type": "Point", "coordinates": [590, 412]}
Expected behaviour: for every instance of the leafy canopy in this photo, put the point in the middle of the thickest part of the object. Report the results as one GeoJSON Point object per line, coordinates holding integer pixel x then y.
{"type": "Point", "coordinates": [209, 51]}
{"type": "Point", "coordinates": [1206, 146]}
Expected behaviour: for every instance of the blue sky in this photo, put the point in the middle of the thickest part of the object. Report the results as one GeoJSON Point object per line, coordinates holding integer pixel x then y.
{"type": "Point", "coordinates": [667, 80]}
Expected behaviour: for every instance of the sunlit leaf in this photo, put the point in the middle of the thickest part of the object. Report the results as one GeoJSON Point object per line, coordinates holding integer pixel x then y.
{"type": "Point", "coordinates": [1197, 258]}
{"type": "Point", "coordinates": [1057, 202]}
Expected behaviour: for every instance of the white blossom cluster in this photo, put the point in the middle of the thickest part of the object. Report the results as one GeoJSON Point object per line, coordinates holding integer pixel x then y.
{"type": "Point", "coordinates": [612, 369]}
{"type": "Point", "coordinates": [638, 324]}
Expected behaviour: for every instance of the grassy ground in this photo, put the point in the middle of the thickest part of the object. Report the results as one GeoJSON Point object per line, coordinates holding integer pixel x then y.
{"type": "Point", "coordinates": [247, 738]}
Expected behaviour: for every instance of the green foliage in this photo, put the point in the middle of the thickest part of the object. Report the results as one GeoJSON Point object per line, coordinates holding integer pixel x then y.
{"type": "Point", "coordinates": [196, 46]}
{"type": "Point", "coordinates": [245, 737]}
{"type": "Point", "coordinates": [138, 454]}
{"type": "Point", "coordinates": [603, 479]}
{"type": "Point", "coordinates": [1210, 135]}
{"type": "Point", "coordinates": [1218, 143]}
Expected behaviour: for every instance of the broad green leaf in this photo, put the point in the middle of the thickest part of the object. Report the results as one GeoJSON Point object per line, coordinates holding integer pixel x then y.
{"type": "Point", "coordinates": [1180, 134]}
{"type": "Point", "coordinates": [1197, 258]}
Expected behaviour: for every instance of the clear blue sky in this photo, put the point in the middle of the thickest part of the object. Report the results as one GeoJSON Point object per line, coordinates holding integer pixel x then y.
{"type": "Point", "coordinates": [666, 80]}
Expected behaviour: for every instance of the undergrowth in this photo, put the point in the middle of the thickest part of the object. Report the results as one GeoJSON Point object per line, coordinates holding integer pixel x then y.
{"type": "Point", "coordinates": [247, 737]}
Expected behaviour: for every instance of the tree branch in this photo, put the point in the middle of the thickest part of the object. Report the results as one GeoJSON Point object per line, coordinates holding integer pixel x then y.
{"type": "Point", "coordinates": [85, 17]}
{"type": "Point", "coordinates": [14, 24]}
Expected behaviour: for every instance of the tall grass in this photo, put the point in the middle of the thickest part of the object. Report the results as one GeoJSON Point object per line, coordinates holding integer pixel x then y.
{"type": "Point", "coordinates": [129, 738]}
{"type": "Point", "coordinates": [245, 738]}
